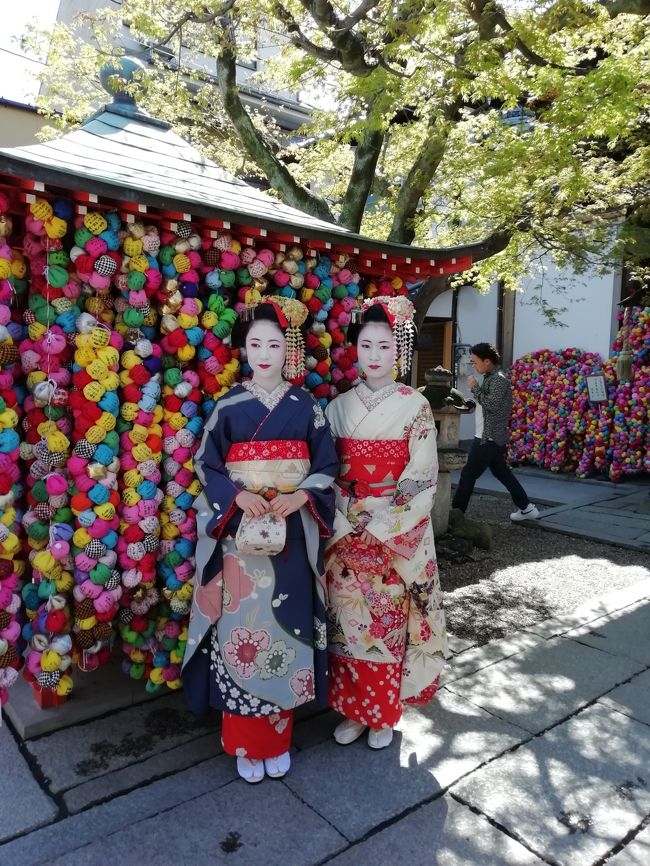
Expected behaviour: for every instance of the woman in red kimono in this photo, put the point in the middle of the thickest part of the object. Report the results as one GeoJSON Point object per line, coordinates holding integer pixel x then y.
{"type": "Point", "coordinates": [387, 636]}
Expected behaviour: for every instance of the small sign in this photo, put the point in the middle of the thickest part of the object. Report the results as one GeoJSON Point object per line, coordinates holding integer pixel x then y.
{"type": "Point", "coordinates": [596, 388]}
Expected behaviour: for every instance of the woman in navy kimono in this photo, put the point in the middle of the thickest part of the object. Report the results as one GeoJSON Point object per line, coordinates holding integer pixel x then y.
{"type": "Point", "coordinates": [257, 645]}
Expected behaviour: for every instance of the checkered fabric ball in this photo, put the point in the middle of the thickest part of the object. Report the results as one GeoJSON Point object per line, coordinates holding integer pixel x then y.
{"type": "Point", "coordinates": [183, 229]}
{"type": "Point", "coordinates": [150, 543]}
{"type": "Point", "coordinates": [125, 615]}
{"type": "Point", "coordinates": [84, 449]}
{"type": "Point", "coordinates": [48, 679]}
{"type": "Point", "coordinates": [95, 549]}
{"type": "Point", "coordinates": [113, 581]}
{"type": "Point", "coordinates": [105, 266]}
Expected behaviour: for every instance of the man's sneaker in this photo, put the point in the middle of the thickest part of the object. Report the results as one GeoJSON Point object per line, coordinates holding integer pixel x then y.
{"type": "Point", "coordinates": [530, 512]}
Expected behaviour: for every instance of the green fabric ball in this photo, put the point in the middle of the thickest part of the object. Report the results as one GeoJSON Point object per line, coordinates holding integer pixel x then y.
{"type": "Point", "coordinates": [166, 255]}
{"type": "Point", "coordinates": [173, 377]}
{"type": "Point", "coordinates": [136, 280]}
{"type": "Point", "coordinates": [82, 236]}
{"type": "Point", "coordinates": [133, 318]}
{"type": "Point", "coordinates": [57, 276]}
{"type": "Point", "coordinates": [227, 278]}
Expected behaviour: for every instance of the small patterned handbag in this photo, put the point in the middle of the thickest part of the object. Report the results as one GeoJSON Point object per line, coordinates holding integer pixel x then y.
{"type": "Point", "coordinates": [261, 536]}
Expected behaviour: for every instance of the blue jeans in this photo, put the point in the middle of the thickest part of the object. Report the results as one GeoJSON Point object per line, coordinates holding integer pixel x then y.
{"type": "Point", "coordinates": [490, 456]}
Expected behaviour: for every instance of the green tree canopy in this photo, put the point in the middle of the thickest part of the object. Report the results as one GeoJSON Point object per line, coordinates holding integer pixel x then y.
{"type": "Point", "coordinates": [439, 122]}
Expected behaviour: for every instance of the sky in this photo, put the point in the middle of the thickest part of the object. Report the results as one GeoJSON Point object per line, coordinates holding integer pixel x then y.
{"type": "Point", "coordinates": [17, 70]}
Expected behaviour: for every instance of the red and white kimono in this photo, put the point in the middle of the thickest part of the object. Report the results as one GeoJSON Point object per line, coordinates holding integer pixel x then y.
{"type": "Point", "coordinates": [387, 639]}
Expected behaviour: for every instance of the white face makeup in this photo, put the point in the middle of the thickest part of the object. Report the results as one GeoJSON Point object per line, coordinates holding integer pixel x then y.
{"type": "Point", "coordinates": [266, 350]}
{"type": "Point", "coordinates": [376, 353]}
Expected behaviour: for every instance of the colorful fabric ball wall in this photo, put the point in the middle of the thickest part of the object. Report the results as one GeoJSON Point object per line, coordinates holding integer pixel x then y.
{"type": "Point", "coordinates": [12, 285]}
{"type": "Point", "coordinates": [554, 424]}
{"type": "Point", "coordinates": [114, 348]}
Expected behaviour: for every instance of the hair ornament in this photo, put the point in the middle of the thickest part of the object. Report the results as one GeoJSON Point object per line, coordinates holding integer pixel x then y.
{"type": "Point", "coordinates": [291, 314]}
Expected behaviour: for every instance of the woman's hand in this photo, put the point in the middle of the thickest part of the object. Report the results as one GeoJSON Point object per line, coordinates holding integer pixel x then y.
{"type": "Point", "coordinates": [252, 504]}
{"type": "Point", "coordinates": [285, 504]}
{"type": "Point", "coordinates": [472, 382]}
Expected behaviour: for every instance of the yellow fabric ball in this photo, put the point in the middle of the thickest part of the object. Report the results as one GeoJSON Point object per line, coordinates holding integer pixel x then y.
{"type": "Point", "coordinates": [55, 228]}
{"type": "Point", "coordinates": [94, 391]}
{"type": "Point", "coordinates": [132, 246]}
{"type": "Point", "coordinates": [81, 537]}
{"type": "Point", "coordinates": [95, 434]}
{"type": "Point", "coordinates": [138, 434]}
{"type": "Point", "coordinates": [95, 222]}
{"type": "Point", "coordinates": [142, 452]}
{"type": "Point", "coordinates": [139, 263]}
{"type": "Point", "coordinates": [128, 411]}
{"type": "Point", "coordinates": [35, 331]}
{"type": "Point", "coordinates": [132, 478]}
{"type": "Point", "coordinates": [50, 660]}
{"type": "Point", "coordinates": [130, 496]}
{"type": "Point", "coordinates": [41, 209]}
{"type": "Point", "coordinates": [105, 511]}
{"type": "Point", "coordinates": [97, 369]}
{"type": "Point", "coordinates": [186, 353]}
{"type": "Point", "coordinates": [64, 686]}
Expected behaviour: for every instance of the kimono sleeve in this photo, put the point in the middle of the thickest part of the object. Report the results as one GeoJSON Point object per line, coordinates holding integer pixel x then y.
{"type": "Point", "coordinates": [219, 491]}
{"type": "Point", "coordinates": [324, 467]}
{"type": "Point", "coordinates": [403, 524]}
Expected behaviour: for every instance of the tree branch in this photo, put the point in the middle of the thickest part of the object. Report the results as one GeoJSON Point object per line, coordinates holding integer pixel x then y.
{"type": "Point", "coordinates": [350, 49]}
{"type": "Point", "coordinates": [280, 178]}
{"type": "Point", "coordinates": [419, 178]}
{"type": "Point", "coordinates": [298, 38]}
{"type": "Point", "coordinates": [626, 7]}
{"type": "Point", "coordinates": [197, 19]}
{"type": "Point", "coordinates": [366, 155]}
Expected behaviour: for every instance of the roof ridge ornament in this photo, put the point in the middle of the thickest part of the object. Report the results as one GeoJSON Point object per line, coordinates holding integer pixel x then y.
{"type": "Point", "coordinates": [117, 77]}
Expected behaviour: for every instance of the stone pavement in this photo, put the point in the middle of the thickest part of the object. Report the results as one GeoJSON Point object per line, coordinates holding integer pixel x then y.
{"type": "Point", "coordinates": [611, 513]}
{"type": "Point", "coordinates": [536, 751]}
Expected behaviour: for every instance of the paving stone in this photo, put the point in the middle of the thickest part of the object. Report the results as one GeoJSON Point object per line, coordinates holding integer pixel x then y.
{"type": "Point", "coordinates": [617, 518]}
{"type": "Point", "coordinates": [30, 806]}
{"type": "Point", "coordinates": [82, 752]}
{"type": "Point", "coordinates": [591, 610]}
{"type": "Point", "coordinates": [118, 814]}
{"type": "Point", "coordinates": [572, 794]}
{"type": "Point", "coordinates": [356, 788]}
{"type": "Point", "coordinates": [481, 657]}
{"type": "Point", "coordinates": [598, 526]}
{"type": "Point", "coordinates": [250, 825]}
{"type": "Point", "coordinates": [632, 699]}
{"type": "Point", "coordinates": [635, 853]}
{"type": "Point", "coordinates": [458, 645]}
{"type": "Point", "coordinates": [142, 772]}
{"type": "Point", "coordinates": [546, 683]}
{"type": "Point", "coordinates": [316, 730]}
{"type": "Point", "coordinates": [624, 633]}
{"type": "Point", "coordinates": [443, 833]}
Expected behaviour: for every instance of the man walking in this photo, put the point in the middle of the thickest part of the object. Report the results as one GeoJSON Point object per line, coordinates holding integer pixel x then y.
{"type": "Point", "coordinates": [494, 404]}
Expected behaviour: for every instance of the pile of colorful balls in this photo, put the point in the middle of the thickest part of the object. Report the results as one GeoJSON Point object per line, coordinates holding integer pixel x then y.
{"type": "Point", "coordinates": [556, 426]}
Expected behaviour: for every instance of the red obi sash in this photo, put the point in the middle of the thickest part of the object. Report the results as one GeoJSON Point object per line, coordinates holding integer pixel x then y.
{"type": "Point", "coordinates": [270, 449]}
{"type": "Point", "coordinates": [371, 467]}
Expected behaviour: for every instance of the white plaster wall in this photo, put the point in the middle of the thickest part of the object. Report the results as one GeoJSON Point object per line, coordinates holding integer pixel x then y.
{"type": "Point", "coordinates": [476, 322]}
{"type": "Point", "coordinates": [588, 315]}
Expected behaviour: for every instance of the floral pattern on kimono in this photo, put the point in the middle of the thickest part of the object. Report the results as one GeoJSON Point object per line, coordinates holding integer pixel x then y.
{"type": "Point", "coordinates": [255, 643]}
{"type": "Point", "coordinates": [384, 615]}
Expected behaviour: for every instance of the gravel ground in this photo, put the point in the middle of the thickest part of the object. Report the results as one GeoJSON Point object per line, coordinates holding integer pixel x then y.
{"type": "Point", "coordinates": [528, 575]}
